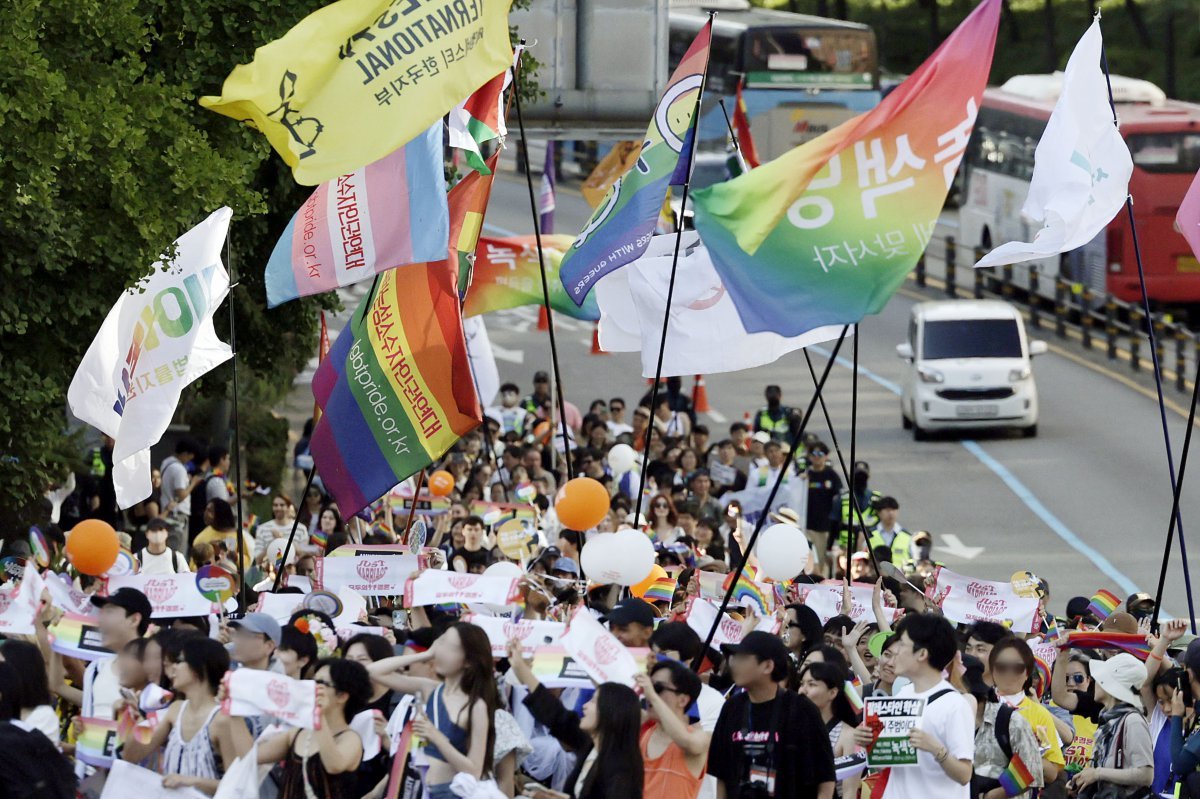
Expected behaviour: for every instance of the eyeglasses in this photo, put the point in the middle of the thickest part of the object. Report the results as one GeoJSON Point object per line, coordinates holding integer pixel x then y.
{"type": "Point", "coordinates": [659, 688]}
{"type": "Point", "coordinates": [1078, 679]}
{"type": "Point", "coordinates": [1008, 668]}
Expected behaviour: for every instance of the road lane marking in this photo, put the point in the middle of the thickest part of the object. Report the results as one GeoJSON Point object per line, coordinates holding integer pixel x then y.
{"type": "Point", "coordinates": [1022, 492]}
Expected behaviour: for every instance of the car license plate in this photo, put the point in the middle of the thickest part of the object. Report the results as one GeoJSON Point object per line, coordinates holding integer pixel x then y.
{"type": "Point", "coordinates": [977, 411]}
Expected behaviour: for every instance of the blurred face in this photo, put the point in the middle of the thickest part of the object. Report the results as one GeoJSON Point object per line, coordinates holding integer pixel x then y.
{"type": "Point", "coordinates": [509, 398]}
{"type": "Point", "coordinates": [279, 509]}
{"type": "Point", "coordinates": [291, 662]}
{"type": "Point", "coordinates": [532, 461]}
{"type": "Point", "coordinates": [688, 460]}
{"type": "Point", "coordinates": [818, 460]}
{"type": "Point", "coordinates": [1078, 679]}
{"type": "Point", "coordinates": [313, 496]}
{"type": "Point", "coordinates": [115, 627]}
{"type": "Point", "coordinates": [887, 516]}
{"type": "Point", "coordinates": [358, 653]}
{"type": "Point", "coordinates": [152, 661]}
{"type": "Point", "coordinates": [157, 541]}
{"type": "Point", "coordinates": [306, 566]}
{"type": "Point", "coordinates": [591, 715]}
{"type": "Point", "coordinates": [156, 479]}
{"type": "Point", "coordinates": [774, 456]}
{"type": "Point", "coordinates": [473, 536]}
{"type": "Point", "coordinates": [820, 693]}
{"type": "Point", "coordinates": [633, 635]}
{"type": "Point", "coordinates": [747, 669]}
{"type": "Point", "coordinates": [703, 534]}
{"type": "Point", "coordinates": [250, 647]}
{"type": "Point", "coordinates": [906, 660]}
{"type": "Point", "coordinates": [641, 418]}
{"type": "Point", "coordinates": [726, 453]}
{"type": "Point", "coordinates": [1008, 673]}
{"type": "Point", "coordinates": [132, 674]}
{"type": "Point", "coordinates": [687, 523]}
{"type": "Point", "coordinates": [665, 687]}
{"type": "Point", "coordinates": [448, 656]}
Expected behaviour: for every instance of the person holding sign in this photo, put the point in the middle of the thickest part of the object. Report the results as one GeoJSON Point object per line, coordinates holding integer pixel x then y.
{"type": "Point", "coordinates": [944, 735]}
{"type": "Point", "coordinates": [674, 751]}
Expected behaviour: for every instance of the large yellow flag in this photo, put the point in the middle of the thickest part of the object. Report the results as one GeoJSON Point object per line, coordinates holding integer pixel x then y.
{"type": "Point", "coordinates": [357, 79]}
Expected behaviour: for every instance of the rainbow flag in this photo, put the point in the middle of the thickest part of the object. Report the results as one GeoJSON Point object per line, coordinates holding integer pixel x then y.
{"type": "Point", "coordinates": [468, 203]}
{"type": "Point", "coordinates": [1016, 778]}
{"type": "Point", "coordinates": [507, 275]}
{"type": "Point", "coordinates": [747, 590]}
{"type": "Point", "coordinates": [396, 390]}
{"type": "Point", "coordinates": [825, 234]}
{"type": "Point", "coordinates": [386, 214]}
{"type": "Point", "coordinates": [318, 538]}
{"type": "Point", "coordinates": [1041, 681]}
{"type": "Point", "coordinates": [741, 126]}
{"type": "Point", "coordinates": [77, 636]}
{"type": "Point", "coordinates": [620, 227]}
{"type": "Point", "coordinates": [661, 590]}
{"type": "Point", "coordinates": [1103, 604]}
{"type": "Point", "coordinates": [1133, 643]}
{"type": "Point", "coordinates": [97, 742]}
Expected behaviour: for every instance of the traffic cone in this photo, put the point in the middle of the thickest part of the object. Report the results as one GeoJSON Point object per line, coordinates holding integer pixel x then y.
{"type": "Point", "coordinates": [543, 318]}
{"type": "Point", "coordinates": [596, 341]}
{"type": "Point", "coordinates": [700, 396]}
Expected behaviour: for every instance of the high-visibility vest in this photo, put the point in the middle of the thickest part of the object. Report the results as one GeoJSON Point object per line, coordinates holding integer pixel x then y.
{"type": "Point", "coordinates": [98, 469]}
{"type": "Point", "coordinates": [764, 422]}
{"type": "Point", "coordinates": [901, 545]}
{"type": "Point", "coordinates": [849, 518]}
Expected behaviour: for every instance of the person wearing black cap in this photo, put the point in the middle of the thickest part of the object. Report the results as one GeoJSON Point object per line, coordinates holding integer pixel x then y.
{"type": "Point", "coordinates": [533, 403]}
{"type": "Point", "coordinates": [124, 616]}
{"type": "Point", "coordinates": [1140, 605]}
{"type": "Point", "coordinates": [632, 622]}
{"type": "Point", "coordinates": [768, 741]}
{"type": "Point", "coordinates": [824, 485]}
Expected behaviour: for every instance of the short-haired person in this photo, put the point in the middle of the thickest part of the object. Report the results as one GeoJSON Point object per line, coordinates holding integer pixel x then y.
{"type": "Point", "coordinates": [981, 637]}
{"type": "Point", "coordinates": [472, 556]}
{"type": "Point", "coordinates": [124, 616]}
{"type": "Point", "coordinates": [768, 738]}
{"type": "Point", "coordinates": [157, 557]}
{"type": "Point", "coordinates": [675, 751]}
{"type": "Point", "coordinates": [945, 737]}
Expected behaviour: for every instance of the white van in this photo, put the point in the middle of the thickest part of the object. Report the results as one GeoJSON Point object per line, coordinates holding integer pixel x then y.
{"type": "Point", "coordinates": [968, 368]}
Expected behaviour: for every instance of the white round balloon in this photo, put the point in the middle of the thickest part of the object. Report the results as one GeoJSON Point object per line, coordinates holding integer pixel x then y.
{"type": "Point", "coordinates": [621, 458]}
{"type": "Point", "coordinates": [503, 568]}
{"type": "Point", "coordinates": [782, 551]}
{"type": "Point", "coordinates": [601, 558]}
{"type": "Point", "coordinates": [635, 555]}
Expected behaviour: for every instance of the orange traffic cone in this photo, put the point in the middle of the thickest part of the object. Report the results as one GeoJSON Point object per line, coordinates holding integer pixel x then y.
{"type": "Point", "coordinates": [700, 396]}
{"type": "Point", "coordinates": [543, 318]}
{"type": "Point", "coordinates": [596, 341]}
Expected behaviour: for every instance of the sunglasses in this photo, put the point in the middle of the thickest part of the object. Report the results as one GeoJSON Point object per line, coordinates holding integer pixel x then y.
{"type": "Point", "coordinates": [659, 688]}
{"type": "Point", "coordinates": [660, 506]}
{"type": "Point", "coordinates": [1078, 679]}
{"type": "Point", "coordinates": [1008, 668]}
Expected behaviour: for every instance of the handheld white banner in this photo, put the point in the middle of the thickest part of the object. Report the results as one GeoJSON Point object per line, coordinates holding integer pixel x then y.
{"type": "Point", "coordinates": [532, 634]}
{"type": "Point", "coordinates": [251, 692]}
{"type": "Point", "coordinates": [436, 587]}
{"type": "Point", "coordinates": [598, 651]}
{"type": "Point", "coordinates": [967, 599]}
{"type": "Point", "coordinates": [826, 601]}
{"type": "Point", "coordinates": [700, 617]}
{"type": "Point", "coordinates": [171, 595]}
{"type": "Point", "coordinates": [367, 575]}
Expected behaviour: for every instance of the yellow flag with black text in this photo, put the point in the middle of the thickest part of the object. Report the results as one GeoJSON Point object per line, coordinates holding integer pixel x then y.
{"type": "Point", "coordinates": [358, 79]}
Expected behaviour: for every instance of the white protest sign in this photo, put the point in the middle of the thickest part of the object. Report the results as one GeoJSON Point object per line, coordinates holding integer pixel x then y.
{"type": "Point", "coordinates": [279, 607]}
{"type": "Point", "coordinates": [702, 613]}
{"type": "Point", "coordinates": [170, 595]}
{"type": "Point", "coordinates": [825, 600]}
{"type": "Point", "coordinates": [531, 633]}
{"type": "Point", "coordinates": [126, 779]}
{"type": "Point", "coordinates": [19, 604]}
{"type": "Point", "coordinates": [435, 587]}
{"type": "Point", "coordinates": [964, 600]}
{"type": "Point", "coordinates": [252, 692]}
{"type": "Point", "coordinates": [368, 575]}
{"type": "Point", "coordinates": [65, 596]}
{"type": "Point", "coordinates": [598, 651]}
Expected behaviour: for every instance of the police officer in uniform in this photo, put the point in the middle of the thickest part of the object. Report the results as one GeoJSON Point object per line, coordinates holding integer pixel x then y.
{"type": "Point", "coordinates": [846, 518]}
{"type": "Point", "coordinates": [776, 419]}
{"type": "Point", "coordinates": [889, 534]}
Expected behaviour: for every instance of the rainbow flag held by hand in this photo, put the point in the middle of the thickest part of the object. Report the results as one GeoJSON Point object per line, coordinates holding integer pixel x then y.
{"type": "Point", "coordinates": [1133, 643]}
{"type": "Point", "coordinates": [826, 233]}
{"type": "Point", "coordinates": [1103, 604]}
{"type": "Point", "coordinates": [396, 390]}
{"type": "Point", "coordinates": [748, 591]}
{"type": "Point", "coordinates": [507, 275]}
{"type": "Point", "coordinates": [661, 590]}
{"type": "Point", "coordinates": [1016, 778]}
{"type": "Point", "coordinates": [97, 742]}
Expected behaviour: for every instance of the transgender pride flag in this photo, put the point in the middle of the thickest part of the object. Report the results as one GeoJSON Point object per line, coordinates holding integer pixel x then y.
{"type": "Point", "coordinates": [390, 213]}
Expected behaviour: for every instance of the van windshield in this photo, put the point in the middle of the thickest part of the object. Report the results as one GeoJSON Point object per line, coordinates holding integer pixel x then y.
{"type": "Point", "coordinates": [972, 338]}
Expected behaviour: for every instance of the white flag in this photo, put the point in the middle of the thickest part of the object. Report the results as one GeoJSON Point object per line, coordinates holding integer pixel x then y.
{"type": "Point", "coordinates": [482, 360]}
{"type": "Point", "coordinates": [1081, 168]}
{"type": "Point", "coordinates": [158, 338]}
{"type": "Point", "coordinates": [705, 333]}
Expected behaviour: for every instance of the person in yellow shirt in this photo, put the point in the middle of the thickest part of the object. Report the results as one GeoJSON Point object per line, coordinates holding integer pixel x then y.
{"type": "Point", "coordinates": [221, 532]}
{"type": "Point", "coordinates": [1013, 670]}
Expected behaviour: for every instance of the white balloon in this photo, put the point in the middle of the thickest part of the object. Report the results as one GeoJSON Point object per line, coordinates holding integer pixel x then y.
{"type": "Point", "coordinates": [621, 458]}
{"type": "Point", "coordinates": [601, 558]}
{"type": "Point", "coordinates": [636, 555]}
{"type": "Point", "coordinates": [782, 551]}
{"type": "Point", "coordinates": [503, 568]}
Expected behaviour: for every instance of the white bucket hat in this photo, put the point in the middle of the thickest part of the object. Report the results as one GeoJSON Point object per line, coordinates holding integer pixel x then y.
{"type": "Point", "coordinates": [1121, 676]}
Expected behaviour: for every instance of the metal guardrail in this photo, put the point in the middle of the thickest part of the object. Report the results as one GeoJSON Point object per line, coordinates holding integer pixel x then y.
{"type": "Point", "coordinates": [1076, 311]}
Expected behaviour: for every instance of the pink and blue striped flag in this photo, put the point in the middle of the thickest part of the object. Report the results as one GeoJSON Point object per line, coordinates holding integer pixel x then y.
{"type": "Point", "coordinates": [390, 213]}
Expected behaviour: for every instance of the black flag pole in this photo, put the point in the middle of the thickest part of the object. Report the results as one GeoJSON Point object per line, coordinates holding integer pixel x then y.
{"type": "Point", "coordinates": [537, 234]}
{"type": "Point", "coordinates": [797, 437]}
{"type": "Point", "coordinates": [237, 429]}
{"type": "Point", "coordinates": [662, 342]}
{"type": "Point", "coordinates": [287, 548]}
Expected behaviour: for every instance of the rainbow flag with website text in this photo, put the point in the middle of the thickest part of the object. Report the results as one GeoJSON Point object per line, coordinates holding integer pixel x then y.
{"type": "Point", "coordinates": [396, 390]}
{"type": "Point", "coordinates": [507, 275]}
{"type": "Point", "coordinates": [826, 233]}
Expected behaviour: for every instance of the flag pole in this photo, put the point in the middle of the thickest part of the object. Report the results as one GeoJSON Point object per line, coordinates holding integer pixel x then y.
{"type": "Point", "coordinates": [1178, 491]}
{"type": "Point", "coordinates": [412, 511]}
{"type": "Point", "coordinates": [287, 548]}
{"type": "Point", "coordinates": [1176, 516]}
{"type": "Point", "coordinates": [662, 341]}
{"type": "Point", "coordinates": [537, 234]}
{"type": "Point", "coordinates": [796, 438]}
{"type": "Point", "coordinates": [237, 430]}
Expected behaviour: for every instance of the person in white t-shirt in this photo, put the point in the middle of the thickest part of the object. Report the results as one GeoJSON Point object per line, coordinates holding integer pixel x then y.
{"type": "Point", "coordinates": [945, 735]}
{"type": "Point", "coordinates": [157, 557]}
{"type": "Point", "coordinates": [124, 616]}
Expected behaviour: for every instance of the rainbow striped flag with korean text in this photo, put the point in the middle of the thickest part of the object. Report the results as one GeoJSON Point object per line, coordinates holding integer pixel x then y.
{"type": "Point", "coordinates": [396, 390]}
{"type": "Point", "coordinates": [826, 233]}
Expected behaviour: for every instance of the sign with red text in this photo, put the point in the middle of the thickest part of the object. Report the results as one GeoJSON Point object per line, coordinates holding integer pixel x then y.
{"type": "Point", "coordinates": [702, 613]}
{"type": "Point", "coordinates": [170, 595]}
{"type": "Point", "coordinates": [531, 633]}
{"type": "Point", "coordinates": [969, 599]}
{"type": "Point", "coordinates": [253, 692]}
{"type": "Point", "coordinates": [65, 596]}
{"type": "Point", "coordinates": [19, 604]}
{"type": "Point", "coordinates": [436, 587]}
{"type": "Point", "coordinates": [826, 601]}
{"type": "Point", "coordinates": [382, 574]}
{"type": "Point", "coordinates": [598, 652]}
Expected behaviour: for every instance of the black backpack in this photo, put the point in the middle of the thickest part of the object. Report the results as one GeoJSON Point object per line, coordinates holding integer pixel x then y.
{"type": "Point", "coordinates": [981, 785]}
{"type": "Point", "coordinates": [33, 766]}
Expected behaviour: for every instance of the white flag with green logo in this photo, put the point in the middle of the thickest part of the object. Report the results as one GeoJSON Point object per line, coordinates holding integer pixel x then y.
{"type": "Point", "coordinates": [1081, 167]}
{"type": "Point", "coordinates": [157, 339]}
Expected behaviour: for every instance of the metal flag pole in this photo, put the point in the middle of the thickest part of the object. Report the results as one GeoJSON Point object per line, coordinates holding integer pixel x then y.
{"type": "Point", "coordinates": [1176, 517]}
{"type": "Point", "coordinates": [237, 431]}
{"type": "Point", "coordinates": [1183, 459]}
{"type": "Point", "coordinates": [287, 548]}
{"type": "Point", "coordinates": [662, 342]}
{"type": "Point", "coordinates": [537, 234]}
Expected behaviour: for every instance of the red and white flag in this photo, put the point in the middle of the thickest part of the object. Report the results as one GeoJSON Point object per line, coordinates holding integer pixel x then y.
{"type": "Point", "coordinates": [598, 651]}
{"type": "Point", "coordinates": [253, 692]}
{"type": "Point", "coordinates": [436, 587]}
{"type": "Point", "coordinates": [964, 600]}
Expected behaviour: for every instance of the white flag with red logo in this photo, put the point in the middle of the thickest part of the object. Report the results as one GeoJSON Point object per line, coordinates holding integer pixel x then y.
{"type": "Point", "coordinates": [368, 575]}
{"type": "Point", "coordinates": [436, 587]}
{"type": "Point", "coordinates": [253, 692]}
{"type": "Point", "coordinates": [826, 601]}
{"type": "Point", "coordinates": [964, 600]}
{"type": "Point", "coordinates": [598, 651]}
{"type": "Point", "coordinates": [532, 634]}
{"type": "Point", "coordinates": [170, 595]}
{"type": "Point", "coordinates": [702, 613]}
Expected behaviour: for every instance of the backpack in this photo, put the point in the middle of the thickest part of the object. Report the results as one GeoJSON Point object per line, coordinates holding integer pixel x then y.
{"type": "Point", "coordinates": [174, 559]}
{"type": "Point", "coordinates": [34, 768]}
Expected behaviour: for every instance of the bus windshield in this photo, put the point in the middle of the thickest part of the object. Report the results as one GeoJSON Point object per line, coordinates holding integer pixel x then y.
{"type": "Point", "coordinates": [971, 338]}
{"type": "Point", "coordinates": [1177, 151]}
{"type": "Point", "coordinates": [805, 55]}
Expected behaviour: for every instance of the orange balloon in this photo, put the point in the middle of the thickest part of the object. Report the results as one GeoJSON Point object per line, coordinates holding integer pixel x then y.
{"type": "Point", "coordinates": [441, 483]}
{"type": "Point", "coordinates": [584, 504]}
{"type": "Point", "coordinates": [93, 546]}
{"type": "Point", "coordinates": [656, 573]}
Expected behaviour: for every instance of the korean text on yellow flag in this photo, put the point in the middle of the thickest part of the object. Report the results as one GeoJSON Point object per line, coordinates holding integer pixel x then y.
{"type": "Point", "coordinates": [357, 79]}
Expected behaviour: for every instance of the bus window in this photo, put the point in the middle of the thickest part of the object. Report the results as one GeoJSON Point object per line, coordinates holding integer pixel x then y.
{"type": "Point", "coordinates": [846, 53]}
{"type": "Point", "coordinates": [1166, 152]}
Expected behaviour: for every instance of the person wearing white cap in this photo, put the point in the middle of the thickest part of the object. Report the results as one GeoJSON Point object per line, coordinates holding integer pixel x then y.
{"type": "Point", "coordinates": [1123, 757]}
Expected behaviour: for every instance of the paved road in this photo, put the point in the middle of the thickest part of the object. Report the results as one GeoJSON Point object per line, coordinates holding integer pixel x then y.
{"type": "Point", "coordinates": [1085, 504]}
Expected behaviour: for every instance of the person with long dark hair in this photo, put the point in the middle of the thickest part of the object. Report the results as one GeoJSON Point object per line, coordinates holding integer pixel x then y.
{"type": "Point", "coordinates": [824, 685]}
{"type": "Point", "coordinates": [35, 711]}
{"type": "Point", "coordinates": [801, 631]}
{"type": "Point", "coordinates": [222, 531]}
{"type": "Point", "coordinates": [457, 723]}
{"type": "Point", "coordinates": [608, 755]}
{"type": "Point", "coordinates": [33, 765]}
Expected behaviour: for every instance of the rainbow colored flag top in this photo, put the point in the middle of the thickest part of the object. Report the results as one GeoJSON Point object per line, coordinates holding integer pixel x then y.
{"type": "Point", "coordinates": [621, 226]}
{"type": "Point", "coordinates": [826, 233]}
{"type": "Point", "coordinates": [1103, 604]}
{"type": "Point", "coordinates": [396, 390]}
{"type": "Point", "coordinates": [387, 214]}
{"type": "Point", "coordinates": [507, 275]}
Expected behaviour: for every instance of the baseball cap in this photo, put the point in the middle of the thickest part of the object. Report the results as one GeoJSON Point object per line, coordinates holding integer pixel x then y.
{"type": "Point", "coordinates": [631, 611]}
{"type": "Point", "coordinates": [566, 565]}
{"type": "Point", "coordinates": [763, 646]}
{"type": "Point", "coordinates": [1077, 606]}
{"type": "Point", "coordinates": [1121, 623]}
{"type": "Point", "coordinates": [762, 437]}
{"type": "Point", "coordinates": [1140, 598]}
{"type": "Point", "coordinates": [130, 600]}
{"type": "Point", "coordinates": [259, 623]}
